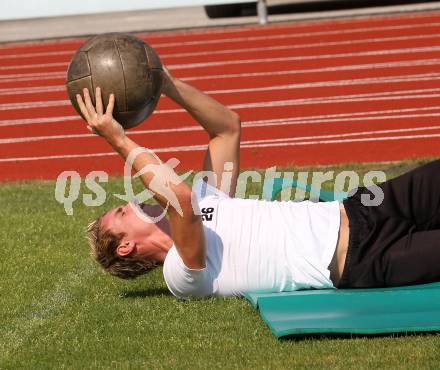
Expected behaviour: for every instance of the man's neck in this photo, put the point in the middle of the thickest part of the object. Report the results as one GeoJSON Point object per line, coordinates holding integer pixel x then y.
{"type": "Point", "coordinates": [162, 241]}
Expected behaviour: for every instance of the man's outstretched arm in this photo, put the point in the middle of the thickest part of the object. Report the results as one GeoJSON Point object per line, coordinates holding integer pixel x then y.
{"type": "Point", "coordinates": [186, 226]}
{"type": "Point", "coordinates": [222, 125]}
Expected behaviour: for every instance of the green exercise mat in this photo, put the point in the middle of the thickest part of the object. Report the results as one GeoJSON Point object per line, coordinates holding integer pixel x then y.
{"type": "Point", "coordinates": [357, 311]}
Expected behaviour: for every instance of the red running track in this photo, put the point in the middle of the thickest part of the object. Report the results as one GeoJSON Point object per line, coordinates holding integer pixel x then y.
{"type": "Point", "coordinates": [359, 90]}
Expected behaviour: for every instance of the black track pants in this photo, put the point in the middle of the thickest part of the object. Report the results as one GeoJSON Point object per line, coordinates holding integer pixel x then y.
{"type": "Point", "coordinates": [397, 242]}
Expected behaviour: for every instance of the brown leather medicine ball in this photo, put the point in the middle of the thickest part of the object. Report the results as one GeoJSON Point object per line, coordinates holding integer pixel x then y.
{"type": "Point", "coordinates": [120, 64]}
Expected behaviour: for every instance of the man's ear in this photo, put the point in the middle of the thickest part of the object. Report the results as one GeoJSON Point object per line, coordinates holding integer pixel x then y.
{"type": "Point", "coordinates": [125, 248]}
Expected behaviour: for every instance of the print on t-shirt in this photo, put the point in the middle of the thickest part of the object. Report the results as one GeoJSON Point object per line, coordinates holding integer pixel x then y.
{"type": "Point", "coordinates": [207, 213]}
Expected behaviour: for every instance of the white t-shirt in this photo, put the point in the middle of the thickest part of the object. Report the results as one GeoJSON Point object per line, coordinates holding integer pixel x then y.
{"type": "Point", "coordinates": [257, 246]}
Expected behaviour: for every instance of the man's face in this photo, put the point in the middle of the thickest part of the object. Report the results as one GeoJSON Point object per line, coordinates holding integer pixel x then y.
{"type": "Point", "coordinates": [128, 219]}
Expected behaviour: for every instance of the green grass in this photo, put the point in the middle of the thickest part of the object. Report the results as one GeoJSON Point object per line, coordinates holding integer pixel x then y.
{"type": "Point", "coordinates": [59, 311]}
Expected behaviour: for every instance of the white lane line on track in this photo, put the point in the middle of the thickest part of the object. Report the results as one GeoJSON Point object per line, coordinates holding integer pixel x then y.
{"type": "Point", "coordinates": [37, 120]}
{"type": "Point", "coordinates": [348, 134]}
{"type": "Point", "coordinates": [377, 113]}
{"type": "Point", "coordinates": [16, 77]}
{"type": "Point", "coordinates": [352, 67]}
{"type": "Point", "coordinates": [387, 95]}
{"type": "Point", "coordinates": [247, 144]}
{"type": "Point", "coordinates": [284, 103]}
{"type": "Point", "coordinates": [31, 90]}
{"type": "Point", "coordinates": [37, 54]}
{"type": "Point", "coordinates": [382, 114]}
{"type": "Point", "coordinates": [37, 104]}
{"type": "Point", "coordinates": [290, 122]}
{"type": "Point", "coordinates": [247, 61]}
{"type": "Point", "coordinates": [387, 52]}
{"type": "Point", "coordinates": [382, 96]}
{"type": "Point", "coordinates": [290, 35]}
{"type": "Point", "coordinates": [350, 82]}
{"type": "Point", "coordinates": [246, 125]}
{"type": "Point", "coordinates": [342, 141]}
{"type": "Point", "coordinates": [36, 65]}
{"type": "Point", "coordinates": [301, 46]}
{"type": "Point", "coordinates": [261, 123]}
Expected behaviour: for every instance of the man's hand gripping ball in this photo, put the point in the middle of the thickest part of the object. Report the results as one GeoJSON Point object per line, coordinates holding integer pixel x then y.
{"type": "Point", "coordinates": [98, 122]}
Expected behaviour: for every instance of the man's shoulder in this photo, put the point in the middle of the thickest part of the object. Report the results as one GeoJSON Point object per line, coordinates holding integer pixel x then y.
{"type": "Point", "coordinates": [182, 281]}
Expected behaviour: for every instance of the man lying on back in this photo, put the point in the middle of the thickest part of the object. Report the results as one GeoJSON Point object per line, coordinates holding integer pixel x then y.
{"type": "Point", "coordinates": [212, 244]}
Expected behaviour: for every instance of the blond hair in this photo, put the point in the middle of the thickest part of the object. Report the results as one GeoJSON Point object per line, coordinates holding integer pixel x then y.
{"type": "Point", "coordinates": [103, 246]}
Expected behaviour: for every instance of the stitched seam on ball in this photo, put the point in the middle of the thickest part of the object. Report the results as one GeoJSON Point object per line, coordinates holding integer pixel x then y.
{"type": "Point", "coordinates": [123, 74]}
{"type": "Point", "coordinates": [77, 79]}
{"type": "Point", "coordinates": [92, 93]}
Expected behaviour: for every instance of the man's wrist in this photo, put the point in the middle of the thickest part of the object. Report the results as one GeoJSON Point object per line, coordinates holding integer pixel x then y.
{"type": "Point", "coordinates": [170, 88]}
{"type": "Point", "coordinates": [118, 143]}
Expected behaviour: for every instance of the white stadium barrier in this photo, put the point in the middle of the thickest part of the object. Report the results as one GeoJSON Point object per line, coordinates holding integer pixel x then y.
{"type": "Point", "coordinates": [51, 8]}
